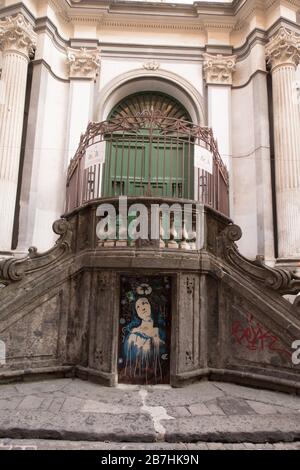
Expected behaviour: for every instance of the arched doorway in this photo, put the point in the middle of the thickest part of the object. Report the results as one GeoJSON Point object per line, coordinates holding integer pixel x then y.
{"type": "Point", "coordinates": [150, 153]}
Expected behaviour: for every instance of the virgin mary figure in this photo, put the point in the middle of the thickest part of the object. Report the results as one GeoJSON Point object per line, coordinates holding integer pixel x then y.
{"type": "Point", "coordinates": [143, 344]}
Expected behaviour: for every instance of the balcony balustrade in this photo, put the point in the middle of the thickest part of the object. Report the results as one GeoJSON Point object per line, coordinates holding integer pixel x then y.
{"type": "Point", "coordinates": [148, 156]}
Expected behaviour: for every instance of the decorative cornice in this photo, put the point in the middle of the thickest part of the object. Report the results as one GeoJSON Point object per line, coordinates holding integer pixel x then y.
{"type": "Point", "coordinates": [218, 69]}
{"type": "Point", "coordinates": [173, 25]}
{"type": "Point", "coordinates": [283, 49]}
{"type": "Point", "coordinates": [17, 34]}
{"type": "Point", "coordinates": [83, 63]}
{"type": "Point", "coordinates": [61, 8]}
{"type": "Point", "coordinates": [201, 7]}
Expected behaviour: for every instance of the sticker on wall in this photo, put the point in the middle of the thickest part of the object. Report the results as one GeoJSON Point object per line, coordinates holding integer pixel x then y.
{"type": "Point", "coordinates": [94, 155]}
{"type": "Point", "coordinates": [203, 159]}
{"type": "Point", "coordinates": [145, 325]}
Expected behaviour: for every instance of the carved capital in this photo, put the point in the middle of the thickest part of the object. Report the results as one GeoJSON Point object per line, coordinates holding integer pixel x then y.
{"type": "Point", "coordinates": [83, 63]}
{"type": "Point", "coordinates": [218, 69]}
{"type": "Point", "coordinates": [283, 49]}
{"type": "Point", "coordinates": [17, 34]}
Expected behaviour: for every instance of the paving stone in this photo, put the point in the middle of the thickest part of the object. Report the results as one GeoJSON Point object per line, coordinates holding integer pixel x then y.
{"type": "Point", "coordinates": [212, 446]}
{"type": "Point", "coordinates": [235, 406]}
{"type": "Point", "coordinates": [47, 386]}
{"type": "Point", "coordinates": [287, 446]}
{"type": "Point", "coordinates": [72, 404]}
{"type": "Point", "coordinates": [8, 391]}
{"type": "Point", "coordinates": [91, 406]}
{"type": "Point", "coordinates": [214, 409]}
{"type": "Point", "coordinates": [262, 408]}
{"type": "Point", "coordinates": [116, 396]}
{"type": "Point", "coordinates": [238, 447]}
{"type": "Point", "coordinates": [285, 411]}
{"type": "Point", "coordinates": [184, 396]}
{"type": "Point", "coordinates": [266, 446]}
{"type": "Point", "coordinates": [200, 409]}
{"type": "Point", "coordinates": [236, 428]}
{"type": "Point", "coordinates": [31, 403]}
{"type": "Point", "coordinates": [250, 446]}
{"type": "Point", "coordinates": [264, 396]}
{"type": "Point", "coordinates": [56, 405]}
{"type": "Point", "coordinates": [150, 446]}
{"type": "Point", "coordinates": [45, 405]}
{"type": "Point", "coordinates": [198, 446]}
{"type": "Point", "coordinates": [178, 411]}
{"type": "Point", "coordinates": [77, 426]}
{"type": "Point", "coordinates": [10, 403]}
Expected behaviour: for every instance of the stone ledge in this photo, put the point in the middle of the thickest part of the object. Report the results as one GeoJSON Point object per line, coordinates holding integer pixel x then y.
{"type": "Point", "coordinates": [27, 375]}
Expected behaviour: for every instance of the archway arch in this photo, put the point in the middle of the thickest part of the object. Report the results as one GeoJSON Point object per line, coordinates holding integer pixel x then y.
{"type": "Point", "coordinates": [150, 101]}
{"type": "Point", "coordinates": [162, 81]}
{"type": "Point", "coordinates": [150, 151]}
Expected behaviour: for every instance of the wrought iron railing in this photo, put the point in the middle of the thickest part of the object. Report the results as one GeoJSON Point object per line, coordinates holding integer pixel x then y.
{"type": "Point", "coordinates": [147, 155]}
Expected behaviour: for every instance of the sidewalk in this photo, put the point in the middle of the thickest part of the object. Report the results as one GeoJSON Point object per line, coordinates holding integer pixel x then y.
{"type": "Point", "coordinates": [73, 410]}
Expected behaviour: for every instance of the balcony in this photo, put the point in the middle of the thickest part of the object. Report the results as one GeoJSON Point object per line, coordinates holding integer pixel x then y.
{"type": "Point", "coordinates": [148, 156]}
{"type": "Point", "coordinates": [165, 164]}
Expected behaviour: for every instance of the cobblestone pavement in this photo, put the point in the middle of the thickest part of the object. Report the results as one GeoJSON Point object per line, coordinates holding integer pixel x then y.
{"type": "Point", "coordinates": [207, 412]}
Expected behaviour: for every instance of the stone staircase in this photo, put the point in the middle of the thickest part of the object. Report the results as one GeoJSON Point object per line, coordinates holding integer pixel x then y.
{"type": "Point", "coordinates": [59, 310]}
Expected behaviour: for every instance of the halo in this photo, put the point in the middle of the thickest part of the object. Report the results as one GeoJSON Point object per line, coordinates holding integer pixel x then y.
{"type": "Point", "coordinates": [144, 289]}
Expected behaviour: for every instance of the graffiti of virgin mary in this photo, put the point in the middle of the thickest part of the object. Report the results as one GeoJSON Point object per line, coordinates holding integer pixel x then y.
{"type": "Point", "coordinates": [144, 338]}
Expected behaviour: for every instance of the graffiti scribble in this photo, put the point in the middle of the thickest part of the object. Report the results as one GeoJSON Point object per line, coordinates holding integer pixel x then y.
{"type": "Point", "coordinates": [255, 337]}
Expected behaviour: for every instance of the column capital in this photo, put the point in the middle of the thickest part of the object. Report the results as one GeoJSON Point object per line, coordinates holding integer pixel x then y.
{"type": "Point", "coordinates": [17, 34]}
{"type": "Point", "coordinates": [218, 69]}
{"type": "Point", "coordinates": [283, 49]}
{"type": "Point", "coordinates": [83, 63]}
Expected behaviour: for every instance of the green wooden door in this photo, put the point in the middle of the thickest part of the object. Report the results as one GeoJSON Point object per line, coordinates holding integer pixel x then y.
{"type": "Point", "coordinates": [148, 166]}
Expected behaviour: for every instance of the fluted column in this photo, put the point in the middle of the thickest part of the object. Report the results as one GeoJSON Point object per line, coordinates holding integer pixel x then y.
{"type": "Point", "coordinates": [17, 40]}
{"type": "Point", "coordinates": [283, 53]}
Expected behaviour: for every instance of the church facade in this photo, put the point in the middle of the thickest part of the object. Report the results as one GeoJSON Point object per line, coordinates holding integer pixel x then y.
{"type": "Point", "coordinates": [194, 104]}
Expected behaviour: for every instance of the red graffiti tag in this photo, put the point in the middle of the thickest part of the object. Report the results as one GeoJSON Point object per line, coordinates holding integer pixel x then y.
{"type": "Point", "coordinates": [256, 338]}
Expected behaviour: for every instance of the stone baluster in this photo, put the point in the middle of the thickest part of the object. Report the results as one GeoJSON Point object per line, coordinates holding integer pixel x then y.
{"type": "Point", "coordinates": [161, 232]}
{"type": "Point", "coordinates": [172, 243]}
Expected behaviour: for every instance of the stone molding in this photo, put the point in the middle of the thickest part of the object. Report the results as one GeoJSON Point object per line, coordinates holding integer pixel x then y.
{"type": "Point", "coordinates": [83, 63]}
{"type": "Point", "coordinates": [218, 69]}
{"type": "Point", "coordinates": [282, 281]}
{"type": "Point", "coordinates": [283, 49]}
{"type": "Point", "coordinates": [17, 34]}
{"type": "Point", "coordinates": [13, 269]}
{"type": "Point", "coordinates": [151, 65]}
